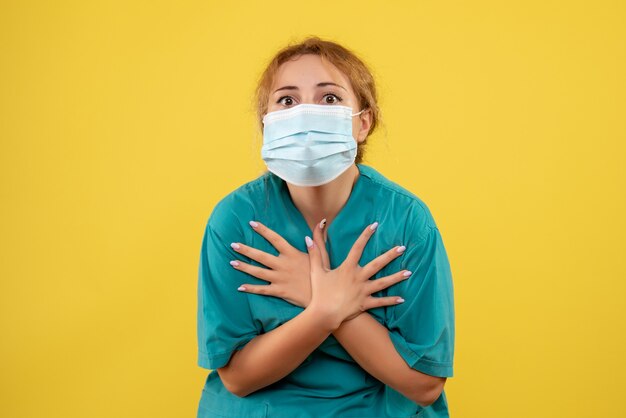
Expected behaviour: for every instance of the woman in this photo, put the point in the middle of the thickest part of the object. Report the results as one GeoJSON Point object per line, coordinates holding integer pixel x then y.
{"type": "Point", "coordinates": [303, 270]}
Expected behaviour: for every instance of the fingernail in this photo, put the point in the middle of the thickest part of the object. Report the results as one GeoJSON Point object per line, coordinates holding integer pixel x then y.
{"type": "Point", "coordinates": [323, 223]}
{"type": "Point", "coordinates": [234, 263]}
{"type": "Point", "coordinates": [374, 226]}
{"type": "Point", "coordinates": [235, 245]}
{"type": "Point", "coordinates": [399, 300]}
{"type": "Point", "coordinates": [400, 249]}
{"type": "Point", "coordinates": [309, 241]}
{"type": "Point", "coordinates": [253, 224]}
{"type": "Point", "coordinates": [241, 288]}
{"type": "Point", "coordinates": [407, 273]}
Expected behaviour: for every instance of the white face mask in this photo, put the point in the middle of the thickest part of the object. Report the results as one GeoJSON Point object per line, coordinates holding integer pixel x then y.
{"type": "Point", "coordinates": [309, 144]}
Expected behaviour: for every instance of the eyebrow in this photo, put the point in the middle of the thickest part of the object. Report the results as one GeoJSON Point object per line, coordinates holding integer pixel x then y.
{"type": "Point", "coordinates": [324, 84]}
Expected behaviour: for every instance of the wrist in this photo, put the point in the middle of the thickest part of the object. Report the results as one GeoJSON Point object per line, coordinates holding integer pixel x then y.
{"type": "Point", "coordinates": [348, 324]}
{"type": "Point", "coordinates": [327, 319]}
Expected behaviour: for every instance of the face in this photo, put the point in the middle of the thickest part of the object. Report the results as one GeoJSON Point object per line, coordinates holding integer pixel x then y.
{"type": "Point", "coordinates": [308, 79]}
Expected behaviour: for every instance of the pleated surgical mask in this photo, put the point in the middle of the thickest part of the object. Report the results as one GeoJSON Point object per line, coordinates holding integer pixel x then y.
{"type": "Point", "coordinates": [309, 144]}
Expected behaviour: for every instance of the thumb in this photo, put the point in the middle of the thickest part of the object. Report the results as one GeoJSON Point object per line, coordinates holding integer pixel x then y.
{"type": "Point", "coordinates": [318, 237]}
{"type": "Point", "coordinates": [315, 258]}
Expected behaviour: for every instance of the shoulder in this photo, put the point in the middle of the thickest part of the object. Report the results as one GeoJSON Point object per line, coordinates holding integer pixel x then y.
{"type": "Point", "coordinates": [419, 219]}
{"type": "Point", "coordinates": [239, 206]}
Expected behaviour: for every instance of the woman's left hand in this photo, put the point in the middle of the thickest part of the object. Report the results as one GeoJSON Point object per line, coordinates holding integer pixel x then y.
{"type": "Point", "coordinates": [288, 273]}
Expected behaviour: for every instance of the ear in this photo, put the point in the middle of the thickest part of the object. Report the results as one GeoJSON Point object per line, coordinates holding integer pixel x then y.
{"type": "Point", "coordinates": [365, 120]}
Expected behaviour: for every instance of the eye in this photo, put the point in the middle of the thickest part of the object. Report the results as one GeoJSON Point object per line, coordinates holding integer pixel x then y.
{"type": "Point", "coordinates": [288, 100]}
{"type": "Point", "coordinates": [331, 98]}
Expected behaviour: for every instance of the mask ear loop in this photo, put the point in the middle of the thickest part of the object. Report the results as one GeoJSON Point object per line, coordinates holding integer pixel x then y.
{"type": "Point", "coordinates": [359, 112]}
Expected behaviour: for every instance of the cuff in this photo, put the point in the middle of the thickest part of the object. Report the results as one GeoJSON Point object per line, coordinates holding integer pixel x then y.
{"type": "Point", "coordinates": [417, 361]}
{"type": "Point", "coordinates": [213, 362]}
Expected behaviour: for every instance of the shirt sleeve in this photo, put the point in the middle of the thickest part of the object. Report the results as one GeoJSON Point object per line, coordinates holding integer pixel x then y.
{"type": "Point", "coordinates": [422, 327]}
{"type": "Point", "coordinates": [224, 322]}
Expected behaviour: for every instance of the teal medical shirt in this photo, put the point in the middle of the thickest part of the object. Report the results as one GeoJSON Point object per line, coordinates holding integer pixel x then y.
{"type": "Point", "coordinates": [329, 383]}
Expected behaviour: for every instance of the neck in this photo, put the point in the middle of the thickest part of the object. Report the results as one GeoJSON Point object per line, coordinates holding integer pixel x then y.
{"type": "Point", "coordinates": [325, 201]}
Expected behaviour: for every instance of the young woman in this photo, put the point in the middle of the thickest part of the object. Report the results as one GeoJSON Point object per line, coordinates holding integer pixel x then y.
{"type": "Point", "coordinates": [303, 270]}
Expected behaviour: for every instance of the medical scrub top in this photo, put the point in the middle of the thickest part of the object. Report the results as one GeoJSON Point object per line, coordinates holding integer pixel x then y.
{"type": "Point", "coordinates": [329, 383]}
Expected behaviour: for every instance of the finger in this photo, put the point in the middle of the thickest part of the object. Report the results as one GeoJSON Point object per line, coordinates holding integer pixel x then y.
{"type": "Point", "coordinates": [373, 302]}
{"type": "Point", "coordinates": [262, 257]}
{"type": "Point", "coordinates": [315, 257]}
{"type": "Point", "coordinates": [258, 272]}
{"type": "Point", "coordinates": [275, 239]}
{"type": "Point", "coordinates": [382, 260]}
{"type": "Point", "coordinates": [318, 237]}
{"type": "Point", "coordinates": [357, 249]}
{"type": "Point", "coordinates": [263, 289]}
{"type": "Point", "coordinates": [384, 282]}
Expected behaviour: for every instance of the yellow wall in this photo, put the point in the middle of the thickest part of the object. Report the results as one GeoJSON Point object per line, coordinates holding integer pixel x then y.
{"type": "Point", "coordinates": [123, 122]}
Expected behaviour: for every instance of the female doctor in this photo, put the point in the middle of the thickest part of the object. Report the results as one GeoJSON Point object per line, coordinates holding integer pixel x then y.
{"type": "Point", "coordinates": [324, 288]}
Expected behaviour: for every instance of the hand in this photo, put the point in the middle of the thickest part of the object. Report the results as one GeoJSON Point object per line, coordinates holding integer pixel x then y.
{"type": "Point", "coordinates": [345, 292]}
{"type": "Point", "coordinates": [288, 273]}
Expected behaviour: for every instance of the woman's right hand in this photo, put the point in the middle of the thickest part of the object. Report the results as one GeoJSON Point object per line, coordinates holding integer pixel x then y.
{"type": "Point", "coordinates": [343, 293]}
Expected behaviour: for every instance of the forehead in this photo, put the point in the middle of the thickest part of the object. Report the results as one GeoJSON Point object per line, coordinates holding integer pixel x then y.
{"type": "Point", "coordinates": [308, 70]}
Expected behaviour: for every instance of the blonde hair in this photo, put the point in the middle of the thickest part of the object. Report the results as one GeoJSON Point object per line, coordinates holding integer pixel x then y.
{"type": "Point", "coordinates": [346, 61]}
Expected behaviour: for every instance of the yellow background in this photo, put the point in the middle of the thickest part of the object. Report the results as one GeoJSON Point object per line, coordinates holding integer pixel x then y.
{"type": "Point", "coordinates": [123, 123]}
